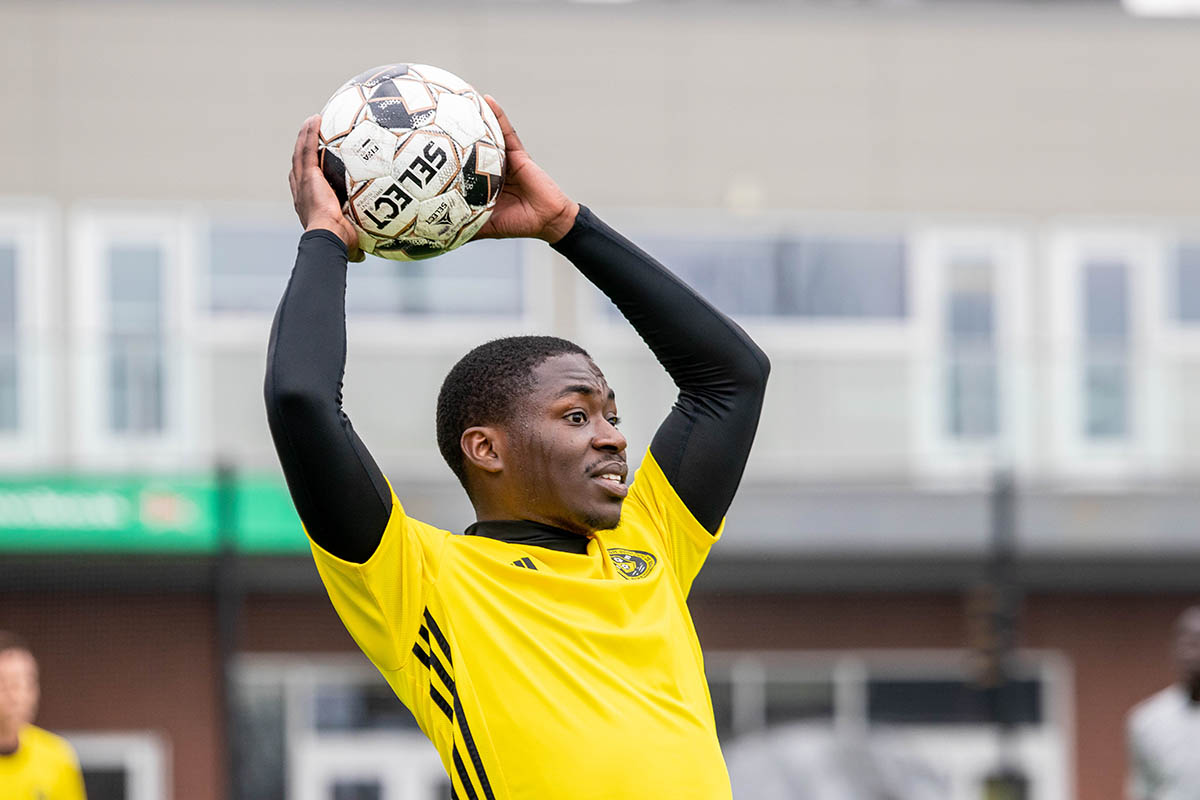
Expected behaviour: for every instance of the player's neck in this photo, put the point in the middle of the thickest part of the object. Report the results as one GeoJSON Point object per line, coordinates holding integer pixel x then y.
{"type": "Point", "coordinates": [10, 739]}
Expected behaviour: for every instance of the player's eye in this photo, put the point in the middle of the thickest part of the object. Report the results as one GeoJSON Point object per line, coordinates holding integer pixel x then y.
{"type": "Point", "coordinates": [576, 417]}
{"type": "Point", "coordinates": [614, 420]}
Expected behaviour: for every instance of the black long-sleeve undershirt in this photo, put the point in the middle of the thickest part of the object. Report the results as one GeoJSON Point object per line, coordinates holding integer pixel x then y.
{"type": "Point", "coordinates": [340, 492]}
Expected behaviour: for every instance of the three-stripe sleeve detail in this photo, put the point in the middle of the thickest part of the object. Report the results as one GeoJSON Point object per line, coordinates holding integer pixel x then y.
{"type": "Point", "coordinates": [452, 709]}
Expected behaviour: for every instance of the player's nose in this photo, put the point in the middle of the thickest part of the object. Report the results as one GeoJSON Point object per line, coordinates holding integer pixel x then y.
{"type": "Point", "coordinates": [608, 437]}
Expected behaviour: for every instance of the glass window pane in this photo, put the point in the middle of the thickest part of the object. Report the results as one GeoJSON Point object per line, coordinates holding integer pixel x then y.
{"type": "Point", "coordinates": [736, 275]}
{"type": "Point", "coordinates": [798, 700]}
{"type": "Point", "coordinates": [812, 277]}
{"type": "Point", "coordinates": [135, 290]}
{"type": "Point", "coordinates": [249, 265]}
{"type": "Point", "coordinates": [8, 338]}
{"type": "Point", "coordinates": [971, 385]}
{"type": "Point", "coordinates": [843, 277]}
{"type": "Point", "coordinates": [1106, 363]}
{"type": "Point", "coordinates": [355, 707]}
{"type": "Point", "coordinates": [356, 790]}
{"type": "Point", "coordinates": [483, 277]}
{"type": "Point", "coordinates": [1107, 392]}
{"type": "Point", "coordinates": [262, 740]}
{"type": "Point", "coordinates": [105, 783]}
{"type": "Point", "coordinates": [972, 391]}
{"type": "Point", "coordinates": [1106, 302]}
{"type": "Point", "coordinates": [135, 357]}
{"type": "Point", "coordinates": [1187, 272]}
{"type": "Point", "coordinates": [924, 702]}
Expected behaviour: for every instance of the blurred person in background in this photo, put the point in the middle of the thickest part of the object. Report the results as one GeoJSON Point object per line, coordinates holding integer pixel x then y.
{"type": "Point", "coordinates": [34, 763]}
{"type": "Point", "coordinates": [1164, 729]}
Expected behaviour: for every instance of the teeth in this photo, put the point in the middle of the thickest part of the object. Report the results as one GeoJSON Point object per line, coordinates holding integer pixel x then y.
{"type": "Point", "coordinates": [610, 476]}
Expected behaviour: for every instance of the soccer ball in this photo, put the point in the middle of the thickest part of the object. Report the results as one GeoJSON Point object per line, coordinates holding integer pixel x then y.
{"type": "Point", "coordinates": [415, 156]}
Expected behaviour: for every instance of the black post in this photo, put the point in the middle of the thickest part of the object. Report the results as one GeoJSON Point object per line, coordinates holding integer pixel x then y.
{"type": "Point", "coordinates": [1006, 782]}
{"type": "Point", "coordinates": [228, 600]}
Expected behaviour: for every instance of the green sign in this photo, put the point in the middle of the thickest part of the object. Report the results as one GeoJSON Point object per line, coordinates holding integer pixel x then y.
{"type": "Point", "coordinates": [147, 514]}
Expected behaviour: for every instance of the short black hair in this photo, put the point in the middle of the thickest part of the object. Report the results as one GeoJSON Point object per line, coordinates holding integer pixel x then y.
{"type": "Point", "coordinates": [484, 388]}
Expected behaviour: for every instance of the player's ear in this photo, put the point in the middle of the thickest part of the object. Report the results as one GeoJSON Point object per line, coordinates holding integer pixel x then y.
{"type": "Point", "coordinates": [483, 446]}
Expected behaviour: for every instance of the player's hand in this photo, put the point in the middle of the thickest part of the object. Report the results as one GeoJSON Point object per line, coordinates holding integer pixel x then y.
{"type": "Point", "coordinates": [530, 204]}
{"type": "Point", "coordinates": [316, 204]}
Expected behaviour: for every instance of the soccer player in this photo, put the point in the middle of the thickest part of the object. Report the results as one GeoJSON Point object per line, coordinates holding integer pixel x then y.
{"type": "Point", "coordinates": [548, 652]}
{"type": "Point", "coordinates": [1164, 730]}
{"type": "Point", "coordinates": [34, 763]}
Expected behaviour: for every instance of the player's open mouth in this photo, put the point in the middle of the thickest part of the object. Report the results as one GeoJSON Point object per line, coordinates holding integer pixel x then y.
{"type": "Point", "coordinates": [614, 483]}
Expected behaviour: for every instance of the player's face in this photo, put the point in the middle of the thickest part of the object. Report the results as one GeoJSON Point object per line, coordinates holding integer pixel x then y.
{"type": "Point", "coordinates": [18, 687]}
{"type": "Point", "coordinates": [1187, 644]}
{"type": "Point", "coordinates": [568, 453]}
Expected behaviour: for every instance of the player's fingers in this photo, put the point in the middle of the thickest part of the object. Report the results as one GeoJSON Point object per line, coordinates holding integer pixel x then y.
{"type": "Point", "coordinates": [298, 150]}
{"type": "Point", "coordinates": [511, 140]}
{"type": "Point", "coordinates": [308, 152]}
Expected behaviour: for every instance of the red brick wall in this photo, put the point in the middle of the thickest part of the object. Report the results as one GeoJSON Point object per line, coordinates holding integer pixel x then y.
{"type": "Point", "coordinates": [129, 662]}
{"type": "Point", "coordinates": [148, 661]}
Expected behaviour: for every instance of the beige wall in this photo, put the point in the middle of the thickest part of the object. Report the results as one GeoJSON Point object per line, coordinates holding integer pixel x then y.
{"type": "Point", "coordinates": [1020, 110]}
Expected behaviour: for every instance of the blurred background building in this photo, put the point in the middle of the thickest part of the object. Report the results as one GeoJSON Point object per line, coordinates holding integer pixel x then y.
{"type": "Point", "coordinates": [966, 233]}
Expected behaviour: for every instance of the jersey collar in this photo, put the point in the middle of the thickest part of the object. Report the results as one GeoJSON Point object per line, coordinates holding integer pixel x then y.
{"type": "Point", "coordinates": [525, 532]}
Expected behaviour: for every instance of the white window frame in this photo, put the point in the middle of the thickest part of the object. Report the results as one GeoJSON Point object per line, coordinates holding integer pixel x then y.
{"type": "Point", "coordinates": [143, 755]}
{"type": "Point", "coordinates": [93, 232]}
{"type": "Point", "coordinates": [1140, 453]}
{"type": "Point", "coordinates": [967, 751]}
{"type": "Point", "coordinates": [938, 453]}
{"type": "Point", "coordinates": [1179, 339]}
{"type": "Point", "coordinates": [30, 226]}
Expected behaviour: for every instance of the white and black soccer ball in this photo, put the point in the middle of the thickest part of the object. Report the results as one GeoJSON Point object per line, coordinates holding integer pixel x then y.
{"type": "Point", "coordinates": [416, 157]}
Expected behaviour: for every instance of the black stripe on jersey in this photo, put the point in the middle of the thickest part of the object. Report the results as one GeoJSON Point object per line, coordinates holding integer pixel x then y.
{"type": "Point", "coordinates": [421, 655]}
{"type": "Point", "coordinates": [441, 640]}
{"type": "Point", "coordinates": [436, 663]}
{"type": "Point", "coordinates": [425, 634]}
{"type": "Point", "coordinates": [453, 793]}
{"type": "Point", "coordinates": [472, 751]}
{"type": "Point", "coordinates": [457, 715]}
{"type": "Point", "coordinates": [461, 769]}
{"type": "Point", "coordinates": [441, 702]}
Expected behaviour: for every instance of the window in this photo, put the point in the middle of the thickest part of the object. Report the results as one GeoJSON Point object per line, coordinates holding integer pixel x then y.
{"type": "Point", "coordinates": [136, 358]}
{"type": "Point", "coordinates": [328, 729]}
{"type": "Point", "coordinates": [1106, 371]}
{"type": "Point", "coordinates": [897, 722]}
{"type": "Point", "coordinates": [131, 337]}
{"type": "Point", "coordinates": [1108, 290]}
{"type": "Point", "coordinates": [249, 265]}
{"type": "Point", "coordinates": [482, 278]}
{"type": "Point", "coordinates": [122, 766]}
{"type": "Point", "coordinates": [9, 388]}
{"type": "Point", "coordinates": [1187, 282]}
{"type": "Point", "coordinates": [971, 372]}
{"type": "Point", "coordinates": [818, 277]}
{"type": "Point", "coordinates": [970, 324]}
{"type": "Point", "coordinates": [26, 355]}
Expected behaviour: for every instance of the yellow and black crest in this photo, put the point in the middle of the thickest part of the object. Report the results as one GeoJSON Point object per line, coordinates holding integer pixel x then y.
{"type": "Point", "coordinates": [632, 564]}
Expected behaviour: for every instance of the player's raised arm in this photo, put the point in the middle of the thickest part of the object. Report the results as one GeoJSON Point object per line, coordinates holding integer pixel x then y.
{"type": "Point", "coordinates": [339, 491]}
{"type": "Point", "coordinates": [703, 444]}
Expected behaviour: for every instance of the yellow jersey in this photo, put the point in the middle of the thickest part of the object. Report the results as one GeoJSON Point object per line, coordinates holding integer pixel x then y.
{"type": "Point", "coordinates": [44, 767]}
{"type": "Point", "coordinates": [543, 674]}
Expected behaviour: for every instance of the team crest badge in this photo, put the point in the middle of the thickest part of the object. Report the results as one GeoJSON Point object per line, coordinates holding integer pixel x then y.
{"type": "Point", "coordinates": [632, 564]}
